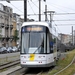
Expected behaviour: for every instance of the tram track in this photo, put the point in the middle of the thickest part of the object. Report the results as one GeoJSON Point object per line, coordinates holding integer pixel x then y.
{"type": "Point", "coordinates": [37, 71]}
{"type": "Point", "coordinates": [18, 70]}
{"type": "Point", "coordinates": [10, 64]}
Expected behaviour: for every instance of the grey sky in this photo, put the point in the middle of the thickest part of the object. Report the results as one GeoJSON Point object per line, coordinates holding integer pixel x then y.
{"type": "Point", "coordinates": [59, 6]}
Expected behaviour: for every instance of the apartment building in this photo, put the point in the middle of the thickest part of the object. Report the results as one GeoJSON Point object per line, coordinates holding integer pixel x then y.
{"type": "Point", "coordinates": [65, 38]}
{"type": "Point", "coordinates": [5, 25]}
{"type": "Point", "coordinates": [9, 23]}
{"type": "Point", "coordinates": [17, 23]}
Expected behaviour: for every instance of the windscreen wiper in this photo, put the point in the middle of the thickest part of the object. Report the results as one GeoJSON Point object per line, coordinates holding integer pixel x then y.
{"type": "Point", "coordinates": [37, 49]}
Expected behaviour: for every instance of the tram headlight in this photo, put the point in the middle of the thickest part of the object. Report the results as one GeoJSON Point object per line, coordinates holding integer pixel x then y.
{"type": "Point", "coordinates": [41, 56]}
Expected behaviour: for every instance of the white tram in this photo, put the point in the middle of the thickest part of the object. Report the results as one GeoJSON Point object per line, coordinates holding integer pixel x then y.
{"type": "Point", "coordinates": [38, 45]}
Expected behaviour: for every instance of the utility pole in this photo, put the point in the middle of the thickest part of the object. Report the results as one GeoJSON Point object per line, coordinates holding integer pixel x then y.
{"type": "Point", "coordinates": [25, 10]}
{"type": "Point", "coordinates": [45, 12]}
{"type": "Point", "coordinates": [72, 36]}
{"type": "Point", "coordinates": [51, 16]}
{"type": "Point", "coordinates": [39, 10]}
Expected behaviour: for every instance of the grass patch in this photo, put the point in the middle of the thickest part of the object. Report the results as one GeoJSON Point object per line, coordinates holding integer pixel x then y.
{"type": "Point", "coordinates": [69, 71]}
{"type": "Point", "coordinates": [8, 59]}
{"type": "Point", "coordinates": [62, 63]}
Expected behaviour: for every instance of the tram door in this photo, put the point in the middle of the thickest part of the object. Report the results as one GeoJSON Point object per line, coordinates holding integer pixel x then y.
{"type": "Point", "coordinates": [50, 58]}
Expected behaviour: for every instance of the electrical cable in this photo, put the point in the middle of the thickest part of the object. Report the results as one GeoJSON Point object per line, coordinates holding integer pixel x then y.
{"type": "Point", "coordinates": [57, 27]}
{"type": "Point", "coordinates": [62, 6]}
{"type": "Point", "coordinates": [16, 7]}
{"type": "Point", "coordinates": [31, 7]}
{"type": "Point", "coordinates": [56, 7]}
{"type": "Point", "coordinates": [37, 6]}
{"type": "Point", "coordinates": [64, 24]}
{"type": "Point", "coordinates": [60, 9]}
{"type": "Point", "coordinates": [55, 14]}
{"type": "Point", "coordinates": [64, 20]}
{"type": "Point", "coordinates": [34, 4]}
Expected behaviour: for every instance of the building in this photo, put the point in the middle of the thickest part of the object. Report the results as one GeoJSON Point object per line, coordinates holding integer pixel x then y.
{"type": "Point", "coordinates": [65, 38]}
{"type": "Point", "coordinates": [17, 23]}
{"type": "Point", "coordinates": [5, 25]}
{"type": "Point", "coordinates": [10, 23]}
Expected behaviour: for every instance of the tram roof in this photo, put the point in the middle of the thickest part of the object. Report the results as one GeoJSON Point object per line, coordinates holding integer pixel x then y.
{"type": "Point", "coordinates": [47, 24]}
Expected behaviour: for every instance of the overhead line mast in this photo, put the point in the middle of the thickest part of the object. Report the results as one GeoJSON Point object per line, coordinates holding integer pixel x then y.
{"type": "Point", "coordinates": [25, 10]}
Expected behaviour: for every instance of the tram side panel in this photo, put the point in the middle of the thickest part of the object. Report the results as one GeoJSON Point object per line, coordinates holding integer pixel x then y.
{"type": "Point", "coordinates": [51, 49]}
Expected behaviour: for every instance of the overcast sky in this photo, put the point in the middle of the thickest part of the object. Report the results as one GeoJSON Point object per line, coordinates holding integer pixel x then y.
{"type": "Point", "coordinates": [59, 6]}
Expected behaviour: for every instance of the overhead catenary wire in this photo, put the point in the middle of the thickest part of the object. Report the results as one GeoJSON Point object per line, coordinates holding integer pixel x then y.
{"type": "Point", "coordinates": [43, 14]}
{"type": "Point", "coordinates": [64, 24]}
{"type": "Point", "coordinates": [37, 7]}
{"type": "Point", "coordinates": [62, 6]}
{"type": "Point", "coordinates": [39, 11]}
{"type": "Point", "coordinates": [48, 14]}
{"type": "Point", "coordinates": [62, 14]}
{"type": "Point", "coordinates": [64, 20]}
{"type": "Point", "coordinates": [57, 27]}
{"type": "Point", "coordinates": [16, 7]}
{"type": "Point", "coordinates": [54, 14]}
{"type": "Point", "coordinates": [31, 8]}
{"type": "Point", "coordinates": [34, 4]}
{"type": "Point", "coordinates": [56, 7]}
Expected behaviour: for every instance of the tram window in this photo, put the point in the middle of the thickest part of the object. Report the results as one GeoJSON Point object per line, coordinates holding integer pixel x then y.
{"type": "Point", "coordinates": [25, 43]}
{"type": "Point", "coordinates": [51, 46]}
{"type": "Point", "coordinates": [54, 45]}
{"type": "Point", "coordinates": [31, 40]}
{"type": "Point", "coordinates": [49, 43]}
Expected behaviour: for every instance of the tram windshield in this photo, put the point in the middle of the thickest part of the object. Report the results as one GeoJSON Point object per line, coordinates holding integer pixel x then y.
{"type": "Point", "coordinates": [33, 41]}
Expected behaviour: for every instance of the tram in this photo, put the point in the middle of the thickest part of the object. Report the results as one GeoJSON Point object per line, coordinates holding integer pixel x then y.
{"type": "Point", "coordinates": [38, 45]}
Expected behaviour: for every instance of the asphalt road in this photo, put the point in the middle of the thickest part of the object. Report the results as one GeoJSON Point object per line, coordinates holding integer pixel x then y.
{"type": "Point", "coordinates": [9, 54]}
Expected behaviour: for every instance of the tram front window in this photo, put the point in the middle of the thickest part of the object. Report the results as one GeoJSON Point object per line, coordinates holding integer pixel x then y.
{"type": "Point", "coordinates": [33, 42]}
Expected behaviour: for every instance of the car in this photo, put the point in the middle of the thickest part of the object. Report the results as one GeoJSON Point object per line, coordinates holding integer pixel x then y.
{"type": "Point", "coordinates": [0, 50]}
{"type": "Point", "coordinates": [14, 48]}
{"type": "Point", "coordinates": [18, 48]}
{"type": "Point", "coordinates": [3, 50]}
{"type": "Point", "coordinates": [9, 49]}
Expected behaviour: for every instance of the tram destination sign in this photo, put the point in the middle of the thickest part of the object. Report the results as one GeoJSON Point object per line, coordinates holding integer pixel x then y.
{"type": "Point", "coordinates": [33, 29]}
